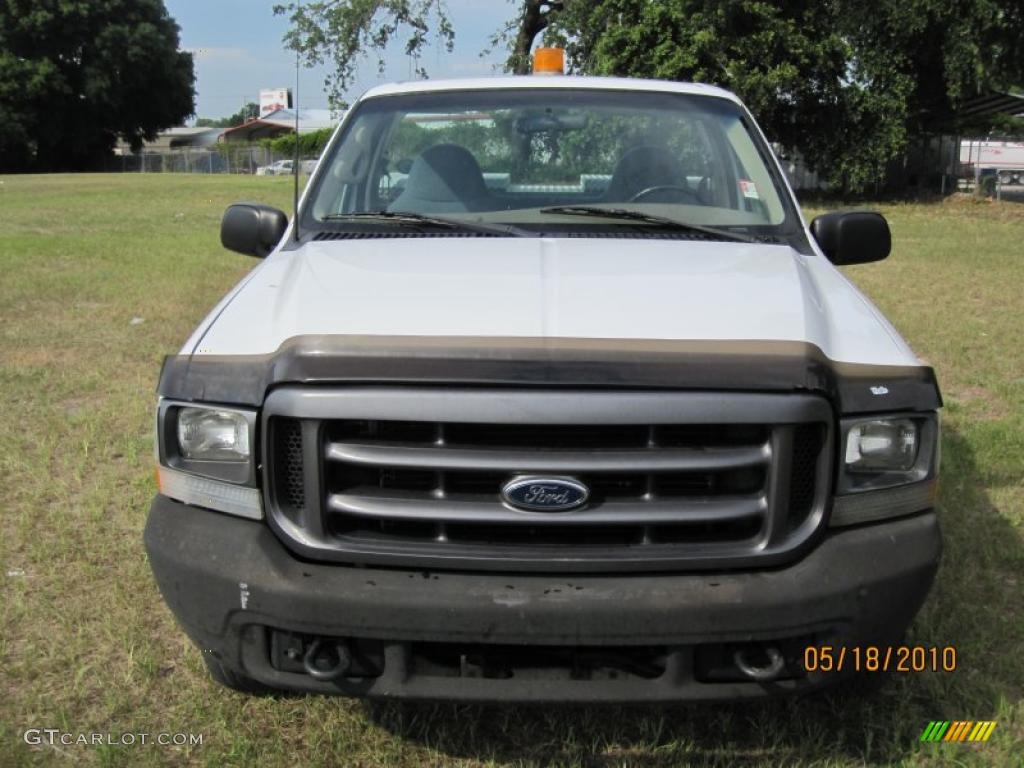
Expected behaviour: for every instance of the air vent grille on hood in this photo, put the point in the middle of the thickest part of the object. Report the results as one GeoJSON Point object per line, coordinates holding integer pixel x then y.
{"type": "Point", "coordinates": [391, 235]}
{"type": "Point", "coordinates": [615, 235]}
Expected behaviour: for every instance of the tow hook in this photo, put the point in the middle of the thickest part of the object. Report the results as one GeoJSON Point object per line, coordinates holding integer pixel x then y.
{"type": "Point", "coordinates": [760, 672]}
{"type": "Point", "coordinates": [327, 659]}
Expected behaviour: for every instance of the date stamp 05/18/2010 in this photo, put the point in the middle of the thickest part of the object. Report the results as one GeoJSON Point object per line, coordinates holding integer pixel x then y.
{"type": "Point", "coordinates": [880, 658]}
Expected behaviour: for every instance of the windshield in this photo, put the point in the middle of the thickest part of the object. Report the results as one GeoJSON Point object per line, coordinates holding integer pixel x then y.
{"type": "Point", "coordinates": [548, 159]}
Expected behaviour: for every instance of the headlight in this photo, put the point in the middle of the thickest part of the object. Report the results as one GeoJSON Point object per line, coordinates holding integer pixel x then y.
{"type": "Point", "coordinates": [882, 446]}
{"type": "Point", "coordinates": [888, 467]}
{"type": "Point", "coordinates": [206, 457]}
{"type": "Point", "coordinates": [205, 434]}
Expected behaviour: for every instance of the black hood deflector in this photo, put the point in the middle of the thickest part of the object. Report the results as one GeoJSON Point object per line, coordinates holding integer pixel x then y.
{"type": "Point", "coordinates": [744, 365]}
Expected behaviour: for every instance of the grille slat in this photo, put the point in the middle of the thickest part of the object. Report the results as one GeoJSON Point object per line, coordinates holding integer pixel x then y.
{"type": "Point", "coordinates": [545, 459]}
{"type": "Point", "coordinates": [412, 506]}
{"type": "Point", "coordinates": [418, 486]}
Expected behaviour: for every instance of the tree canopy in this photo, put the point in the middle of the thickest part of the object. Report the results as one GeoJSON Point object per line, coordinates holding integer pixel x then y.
{"type": "Point", "coordinates": [787, 61]}
{"type": "Point", "coordinates": [249, 111]}
{"type": "Point", "coordinates": [846, 83]}
{"type": "Point", "coordinates": [75, 76]}
{"type": "Point", "coordinates": [343, 31]}
{"type": "Point", "coordinates": [938, 52]}
{"type": "Point", "coordinates": [310, 144]}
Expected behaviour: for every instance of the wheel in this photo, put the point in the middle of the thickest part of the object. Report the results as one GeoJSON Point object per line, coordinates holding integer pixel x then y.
{"type": "Point", "coordinates": [686, 192]}
{"type": "Point", "coordinates": [1005, 177]}
{"type": "Point", "coordinates": [236, 681]}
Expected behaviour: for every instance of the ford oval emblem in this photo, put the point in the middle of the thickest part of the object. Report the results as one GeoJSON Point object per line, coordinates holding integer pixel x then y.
{"type": "Point", "coordinates": [545, 494]}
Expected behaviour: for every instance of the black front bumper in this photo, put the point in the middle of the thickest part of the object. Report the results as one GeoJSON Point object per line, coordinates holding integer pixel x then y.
{"type": "Point", "coordinates": [230, 582]}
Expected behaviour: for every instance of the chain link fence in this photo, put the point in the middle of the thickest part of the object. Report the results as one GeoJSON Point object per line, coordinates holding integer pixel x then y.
{"type": "Point", "coordinates": [249, 160]}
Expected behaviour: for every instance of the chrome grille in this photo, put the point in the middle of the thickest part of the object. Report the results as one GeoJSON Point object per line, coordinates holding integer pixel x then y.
{"type": "Point", "coordinates": [413, 477]}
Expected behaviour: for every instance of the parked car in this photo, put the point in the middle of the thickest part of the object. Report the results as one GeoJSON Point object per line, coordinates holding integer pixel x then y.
{"type": "Point", "coordinates": [277, 168]}
{"type": "Point", "coordinates": [284, 168]}
{"type": "Point", "coordinates": [609, 425]}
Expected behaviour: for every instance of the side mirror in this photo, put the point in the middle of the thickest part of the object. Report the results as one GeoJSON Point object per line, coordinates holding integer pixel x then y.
{"type": "Point", "coordinates": [252, 229]}
{"type": "Point", "coordinates": [853, 237]}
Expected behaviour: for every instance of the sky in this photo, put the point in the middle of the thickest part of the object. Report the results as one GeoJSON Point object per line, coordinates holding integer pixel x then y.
{"type": "Point", "coordinates": [237, 49]}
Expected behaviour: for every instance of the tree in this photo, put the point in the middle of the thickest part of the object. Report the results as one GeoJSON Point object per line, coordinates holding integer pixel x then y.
{"type": "Point", "coordinates": [847, 83]}
{"type": "Point", "coordinates": [310, 144]}
{"type": "Point", "coordinates": [788, 61]}
{"type": "Point", "coordinates": [250, 111]}
{"type": "Point", "coordinates": [76, 76]}
{"type": "Point", "coordinates": [242, 116]}
{"type": "Point", "coordinates": [941, 53]}
{"type": "Point", "coordinates": [344, 31]}
{"type": "Point", "coordinates": [520, 32]}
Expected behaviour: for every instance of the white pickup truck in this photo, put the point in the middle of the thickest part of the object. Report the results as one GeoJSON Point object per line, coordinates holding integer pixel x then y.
{"type": "Point", "coordinates": [548, 393]}
{"type": "Point", "coordinates": [1005, 159]}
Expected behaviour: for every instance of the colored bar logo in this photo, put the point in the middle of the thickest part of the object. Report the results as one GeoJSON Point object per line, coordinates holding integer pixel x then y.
{"type": "Point", "coordinates": [958, 730]}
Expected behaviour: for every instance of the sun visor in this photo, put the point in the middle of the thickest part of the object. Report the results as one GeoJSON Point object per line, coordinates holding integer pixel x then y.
{"type": "Point", "coordinates": [352, 159]}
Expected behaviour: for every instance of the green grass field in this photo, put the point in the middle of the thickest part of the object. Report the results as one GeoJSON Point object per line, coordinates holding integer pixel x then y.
{"type": "Point", "coordinates": [101, 276]}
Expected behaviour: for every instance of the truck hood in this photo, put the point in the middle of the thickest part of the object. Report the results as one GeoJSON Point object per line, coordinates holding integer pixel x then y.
{"type": "Point", "coordinates": [593, 288]}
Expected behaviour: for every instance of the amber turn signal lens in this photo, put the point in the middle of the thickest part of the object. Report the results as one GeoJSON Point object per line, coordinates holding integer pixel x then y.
{"type": "Point", "coordinates": [549, 61]}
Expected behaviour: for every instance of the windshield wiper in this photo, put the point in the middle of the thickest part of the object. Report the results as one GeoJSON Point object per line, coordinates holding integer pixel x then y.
{"type": "Point", "coordinates": [422, 219]}
{"type": "Point", "coordinates": [647, 218]}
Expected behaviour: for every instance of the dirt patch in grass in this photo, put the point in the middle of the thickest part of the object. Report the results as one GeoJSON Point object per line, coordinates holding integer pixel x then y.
{"type": "Point", "coordinates": [984, 403]}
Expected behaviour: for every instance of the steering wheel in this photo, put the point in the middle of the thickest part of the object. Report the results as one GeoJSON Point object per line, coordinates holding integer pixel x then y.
{"type": "Point", "coordinates": [686, 191]}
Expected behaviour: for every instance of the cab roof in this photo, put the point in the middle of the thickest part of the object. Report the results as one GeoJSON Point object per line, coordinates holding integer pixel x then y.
{"type": "Point", "coordinates": [550, 81]}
